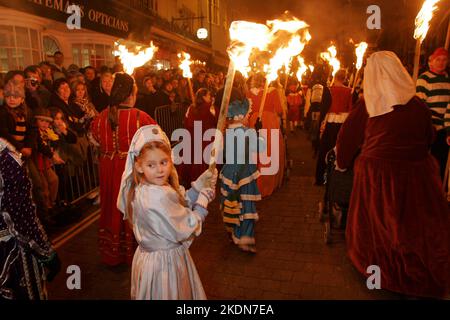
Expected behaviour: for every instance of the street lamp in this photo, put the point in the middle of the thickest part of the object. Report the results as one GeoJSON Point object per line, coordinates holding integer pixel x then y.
{"type": "Point", "coordinates": [202, 33]}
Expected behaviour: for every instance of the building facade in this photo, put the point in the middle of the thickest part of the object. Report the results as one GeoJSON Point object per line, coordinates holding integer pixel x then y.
{"type": "Point", "coordinates": [33, 30]}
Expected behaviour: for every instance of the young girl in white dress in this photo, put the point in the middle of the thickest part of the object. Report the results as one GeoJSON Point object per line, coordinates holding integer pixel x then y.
{"type": "Point", "coordinates": [164, 218]}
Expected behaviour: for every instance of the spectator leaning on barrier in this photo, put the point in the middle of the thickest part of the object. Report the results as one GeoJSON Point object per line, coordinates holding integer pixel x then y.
{"type": "Point", "coordinates": [45, 156]}
{"type": "Point", "coordinates": [61, 100]}
{"type": "Point", "coordinates": [433, 87]}
{"type": "Point", "coordinates": [67, 138]}
{"type": "Point", "coordinates": [73, 113]}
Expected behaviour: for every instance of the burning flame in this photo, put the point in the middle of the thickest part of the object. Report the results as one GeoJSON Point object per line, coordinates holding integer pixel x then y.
{"type": "Point", "coordinates": [254, 35]}
{"type": "Point", "coordinates": [423, 19]}
{"type": "Point", "coordinates": [291, 26]}
{"type": "Point", "coordinates": [301, 68]}
{"type": "Point", "coordinates": [246, 36]}
{"type": "Point", "coordinates": [283, 57]}
{"type": "Point", "coordinates": [311, 68]}
{"type": "Point", "coordinates": [330, 56]}
{"type": "Point", "coordinates": [185, 64]}
{"type": "Point", "coordinates": [240, 55]}
{"type": "Point", "coordinates": [132, 60]}
{"type": "Point", "coordinates": [360, 51]}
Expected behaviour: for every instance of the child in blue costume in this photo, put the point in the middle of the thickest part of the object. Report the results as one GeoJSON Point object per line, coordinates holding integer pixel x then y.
{"type": "Point", "coordinates": [238, 177]}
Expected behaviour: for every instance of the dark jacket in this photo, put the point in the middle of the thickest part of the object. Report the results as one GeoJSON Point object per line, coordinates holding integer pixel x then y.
{"type": "Point", "coordinates": [162, 98]}
{"type": "Point", "coordinates": [147, 103]}
{"type": "Point", "coordinates": [72, 112]}
{"type": "Point", "coordinates": [47, 147]}
{"type": "Point", "coordinates": [99, 98]}
{"type": "Point", "coordinates": [38, 99]}
{"type": "Point", "coordinates": [8, 126]}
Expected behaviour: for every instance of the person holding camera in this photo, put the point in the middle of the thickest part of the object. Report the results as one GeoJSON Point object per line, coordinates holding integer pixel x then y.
{"type": "Point", "coordinates": [36, 96]}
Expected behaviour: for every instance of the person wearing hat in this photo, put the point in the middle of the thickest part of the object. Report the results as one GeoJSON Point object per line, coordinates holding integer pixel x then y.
{"type": "Point", "coordinates": [16, 126]}
{"type": "Point", "coordinates": [113, 129]}
{"type": "Point", "coordinates": [239, 176]}
{"type": "Point", "coordinates": [45, 157]}
{"type": "Point", "coordinates": [433, 88]}
{"type": "Point", "coordinates": [16, 119]}
{"type": "Point", "coordinates": [164, 217]}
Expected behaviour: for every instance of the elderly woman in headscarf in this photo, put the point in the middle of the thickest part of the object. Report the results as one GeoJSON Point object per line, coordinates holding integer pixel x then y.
{"type": "Point", "coordinates": [113, 129]}
{"type": "Point", "coordinates": [398, 218]}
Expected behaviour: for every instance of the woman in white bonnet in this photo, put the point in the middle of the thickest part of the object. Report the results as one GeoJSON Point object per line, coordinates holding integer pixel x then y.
{"type": "Point", "coordinates": [398, 218]}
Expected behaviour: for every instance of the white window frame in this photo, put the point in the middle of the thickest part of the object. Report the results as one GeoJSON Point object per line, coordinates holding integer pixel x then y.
{"type": "Point", "coordinates": [30, 48]}
{"type": "Point", "coordinates": [214, 10]}
{"type": "Point", "coordinates": [92, 61]}
{"type": "Point", "coordinates": [44, 54]}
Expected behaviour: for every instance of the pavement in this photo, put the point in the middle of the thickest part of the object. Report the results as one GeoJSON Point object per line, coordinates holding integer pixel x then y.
{"type": "Point", "coordinates": [293, 262]}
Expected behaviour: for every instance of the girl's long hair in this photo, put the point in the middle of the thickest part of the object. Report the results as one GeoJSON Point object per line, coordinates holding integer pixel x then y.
{"type": "Point", "coordinates": [137, 177]}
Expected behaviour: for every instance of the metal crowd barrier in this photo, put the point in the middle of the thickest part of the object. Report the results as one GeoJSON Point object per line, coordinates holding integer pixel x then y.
{"type": "Point", "coordinates": [171, 117]}
{"type": "Point", "coordinates": [77, 182]}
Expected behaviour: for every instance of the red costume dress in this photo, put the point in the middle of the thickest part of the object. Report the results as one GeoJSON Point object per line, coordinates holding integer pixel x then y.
{"type": "Point", "coordinates": [271, 120]}
{"type": "Point", "coordinates": [191, 171]}
{"type": "Point", "coordinates": [398, 218]}
{"type": "Point", "coordinates": [116, 241]}
{"type": "Point", "coordinates": [294, 102]}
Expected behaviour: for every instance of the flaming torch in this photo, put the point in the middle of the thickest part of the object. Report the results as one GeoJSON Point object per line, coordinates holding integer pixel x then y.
{"type": "Point", "coordinates": [284, 54]}
{"type": "Point", "coordinates": [330, 57]}
{"type": "Point", "coordinates": [360, 51]}
{"type": "Point", "coordinates": [302, 68]}
{"type": "Point", "coordinates": [422, 23]}
{"type": "Point", "coordinates": [245, 36]}
{"type": "Point", "coordinates": [185, 66]}
{"type": "Point", "coordinates": [132, 60]}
